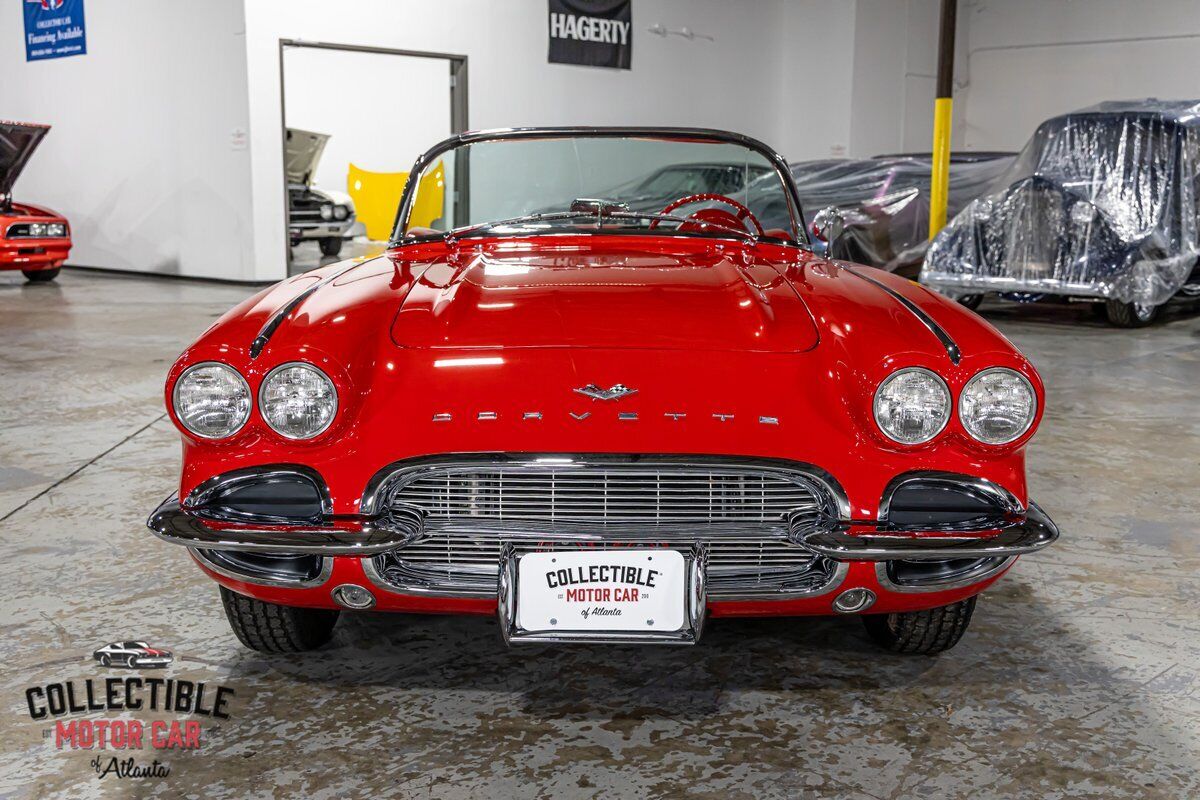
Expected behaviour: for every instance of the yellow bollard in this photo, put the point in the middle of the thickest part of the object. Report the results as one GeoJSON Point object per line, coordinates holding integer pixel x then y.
{"type": "Point", "coordinates": [939, 188]}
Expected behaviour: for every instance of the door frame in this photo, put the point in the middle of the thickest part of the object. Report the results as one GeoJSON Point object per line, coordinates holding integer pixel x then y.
{"type": "Point", "coordinates": [458, 103]}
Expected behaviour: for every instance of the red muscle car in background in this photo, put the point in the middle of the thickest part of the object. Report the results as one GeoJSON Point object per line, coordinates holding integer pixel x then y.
{"type": "Point", "coordinates": [601, 424]}
{"type": "Point", "coordinates": [33, 239]}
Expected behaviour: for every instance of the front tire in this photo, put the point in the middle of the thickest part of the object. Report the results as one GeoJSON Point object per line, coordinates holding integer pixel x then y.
{"type": "Point", "coordinates": [41, 275]}
{"type": "Point", "coordinates": [271, 628]}
{"type": "Point", "coordinates": [105, 661]}
{"type": "Point", "coordinates": [1130, 315]}
{"type": "Point", "coordinates": [927, 632]}
{"type": "Point", "coordinates": [331, 246]}
{"type": "Point", "coordinates": [971, 301]}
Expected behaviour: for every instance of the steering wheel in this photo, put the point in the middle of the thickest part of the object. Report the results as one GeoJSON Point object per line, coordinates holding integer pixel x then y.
{"type": "Point", "coordinates": [714, 216]}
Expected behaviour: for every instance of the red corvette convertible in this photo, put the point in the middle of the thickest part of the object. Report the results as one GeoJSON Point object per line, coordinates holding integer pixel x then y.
{"type": "Point", "coordinates": [33, 239]}
{"type": "Point", "coordinates": [601, 424]}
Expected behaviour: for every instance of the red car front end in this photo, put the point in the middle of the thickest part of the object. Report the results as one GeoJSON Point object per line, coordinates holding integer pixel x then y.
{"type": "Point", "coordinates": [33, 239]}
{"type": "Point", "coordinates": [508, 409]}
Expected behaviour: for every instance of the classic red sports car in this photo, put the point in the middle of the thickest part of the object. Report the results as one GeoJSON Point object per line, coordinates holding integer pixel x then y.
{"type": "Point", "coordinates": [33, 239]}
{"type": "Point", "coordinates": [600, 424]}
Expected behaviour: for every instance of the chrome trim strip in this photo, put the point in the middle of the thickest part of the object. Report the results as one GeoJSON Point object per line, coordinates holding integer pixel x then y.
{"type": "Point", "coordinates": [280, 314]}
{"type": "Point", "coordinates": [980, 572]}
{"type": "Point", "coordinates": [694, 611]}
{"type": "Point", "coordinates": [207, 560]}
{"type": "Point", "coordinates": [1016, 537]}
{"type": "Point", "coordinates": [951, 346]}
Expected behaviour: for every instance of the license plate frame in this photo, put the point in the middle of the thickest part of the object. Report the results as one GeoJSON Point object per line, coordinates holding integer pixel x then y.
{"type": "Point", "coordinates": [695, 563]}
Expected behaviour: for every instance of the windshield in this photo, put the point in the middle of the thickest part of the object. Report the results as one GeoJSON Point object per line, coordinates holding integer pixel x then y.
{"type": "Point", "coordinates": [616, 183]}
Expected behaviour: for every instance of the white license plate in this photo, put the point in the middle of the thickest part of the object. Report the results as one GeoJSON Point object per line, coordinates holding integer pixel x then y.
{"type": "Point", "coordinates": [619, 590]}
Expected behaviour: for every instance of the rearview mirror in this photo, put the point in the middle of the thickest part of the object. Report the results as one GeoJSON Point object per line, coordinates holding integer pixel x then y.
{"type": "Point", "coordinates": [827, 226]}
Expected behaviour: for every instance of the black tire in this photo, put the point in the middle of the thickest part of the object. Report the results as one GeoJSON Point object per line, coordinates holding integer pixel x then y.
{"type": "Point", "coordinates": [331, 246]}
{"type": "Point", "coordinates": [927, 632]}
{"type": "Point", "coordinates": [105, 661]}
{"type": "Point", "coordinates": [271, 628]}
{"type": "Point", "coordinates": [1130, 315]}
{"type": "Point", "coordinates": [971, 301]}
{"type": "Point", "coordinates": [41, 275]}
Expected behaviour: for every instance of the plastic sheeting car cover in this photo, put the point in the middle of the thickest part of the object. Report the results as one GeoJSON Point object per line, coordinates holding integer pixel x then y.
{"type": "Point", "coordinates": [884, 201]}
{"type": "Point", "coordinates": [1100, 203]}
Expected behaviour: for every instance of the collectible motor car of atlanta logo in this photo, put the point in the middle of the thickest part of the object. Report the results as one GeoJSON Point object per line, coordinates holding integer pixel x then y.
{"type": "Point", "coordinates": [132, 654]}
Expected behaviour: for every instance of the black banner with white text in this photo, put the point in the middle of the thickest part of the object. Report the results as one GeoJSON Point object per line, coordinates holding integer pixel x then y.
{"type": "Point", "coordinates": [595, 33]}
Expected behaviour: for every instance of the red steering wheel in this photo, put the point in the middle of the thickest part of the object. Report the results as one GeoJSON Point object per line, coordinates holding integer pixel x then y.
{"type": "Point", "coordinates": [714, 216]}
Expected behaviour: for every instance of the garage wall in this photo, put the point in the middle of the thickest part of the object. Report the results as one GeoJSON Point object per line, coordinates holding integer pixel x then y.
{"type": "Point", "coordinates": [732, 82]}
{"type": "Point", "coordinates": [1033, 59]}
{"type": "Point", "coordinates": [142, 157]}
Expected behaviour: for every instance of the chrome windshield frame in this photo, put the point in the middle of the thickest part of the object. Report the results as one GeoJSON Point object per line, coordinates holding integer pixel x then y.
{"type": "Point", "coordinates": [710, 135]}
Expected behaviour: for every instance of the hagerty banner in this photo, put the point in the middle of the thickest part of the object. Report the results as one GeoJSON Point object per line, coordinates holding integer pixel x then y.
{"type": "Point", "coordinates": [596, 33]}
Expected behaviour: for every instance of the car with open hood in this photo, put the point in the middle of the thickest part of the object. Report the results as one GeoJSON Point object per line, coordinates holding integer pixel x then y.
{"type": "Point", "coordinates": [316, 215]}
{"type": "Point", "coordinates": [33, 238]}
{"type": "Point", "coordinates": [599, 424]}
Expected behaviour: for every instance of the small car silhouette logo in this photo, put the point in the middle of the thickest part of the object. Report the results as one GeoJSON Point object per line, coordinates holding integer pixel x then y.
{"type": "Point", "coordinates": [132, 654]}
{"type": "Point", "coordinates": [613, 393]}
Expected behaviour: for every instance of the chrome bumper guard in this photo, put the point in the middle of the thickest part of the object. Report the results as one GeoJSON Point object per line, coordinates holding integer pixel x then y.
{"type": "Point", "coordinates": [1012, 536]}
{"type": "Point", "coordinates": [344, 535]}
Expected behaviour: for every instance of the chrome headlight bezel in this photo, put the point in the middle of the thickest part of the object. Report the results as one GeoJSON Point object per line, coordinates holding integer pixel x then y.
{"type": "Point", "coordinates": [265, 385]}
{"type": "Point", "coordinates": [179, 383]}
{"type": "Point", "coordinates": [963, 402]}
{"type": "Point", "coordinates": [945, 416]}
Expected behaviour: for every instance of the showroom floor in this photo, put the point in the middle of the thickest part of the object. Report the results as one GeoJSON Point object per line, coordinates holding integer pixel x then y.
{"type": "Point", "coordinates": [1079, 676]}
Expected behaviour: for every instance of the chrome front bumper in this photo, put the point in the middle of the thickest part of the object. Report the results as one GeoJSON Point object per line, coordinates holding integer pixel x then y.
{"type": "Point", "coordinates": [362, 536]}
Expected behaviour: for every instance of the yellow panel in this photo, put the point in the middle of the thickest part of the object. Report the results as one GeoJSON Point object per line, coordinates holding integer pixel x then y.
{"type": "Point", "coordinates": [376, 197]}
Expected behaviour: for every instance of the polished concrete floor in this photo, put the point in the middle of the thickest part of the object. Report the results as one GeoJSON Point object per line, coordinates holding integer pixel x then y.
{"type": "Point", "coordinates": [1080, 676]}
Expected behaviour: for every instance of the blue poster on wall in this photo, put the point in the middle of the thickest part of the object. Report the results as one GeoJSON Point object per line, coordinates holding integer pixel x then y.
{"type": "Point", "coordinates": [53, 29]}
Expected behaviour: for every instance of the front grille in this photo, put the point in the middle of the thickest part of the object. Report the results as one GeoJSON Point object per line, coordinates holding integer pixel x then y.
{"type": "Point", "coordinates": [740, 513]}
{"type": "Point", "coordinates": [608, 495]}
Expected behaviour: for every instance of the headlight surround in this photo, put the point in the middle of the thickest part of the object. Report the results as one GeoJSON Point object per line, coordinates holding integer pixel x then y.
{"type": "Point", "coordinates": [340, 212]}
{"type": "Point", "coordinates": [997, 406]}
{"type": "Point", "coordinates": [211, 400]}
{"type": "Point", "coordinates": [912, 405]}
{"type": "Point", "coordinates": [297, 400]}
{"type": "Point", "coordinates": [326, 211]}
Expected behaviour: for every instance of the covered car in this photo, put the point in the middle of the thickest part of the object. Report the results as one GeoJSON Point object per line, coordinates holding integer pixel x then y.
{"type": "Point", "coordinates": [33, 238]}
{"type": "Point", "coordinates": [1100, 205]}
{"type": "Point", "coordinates": [314, 214]}
{"type": "Point", "coordinates": [876, 210]}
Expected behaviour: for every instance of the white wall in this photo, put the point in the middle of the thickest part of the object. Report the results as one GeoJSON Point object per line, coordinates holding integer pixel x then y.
{"type": "Point", "coordinates": [733, 82]}
{"type": "Point", "coordinates": [140, 157]}
{"type": "Point", "coordinates": [405, 99]}
{"type": "Point", "coordinates": [1033, 59]}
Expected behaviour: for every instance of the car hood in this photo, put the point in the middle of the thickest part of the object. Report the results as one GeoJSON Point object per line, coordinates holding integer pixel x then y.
{"type": "Point", "coordinates": [304, 149]}
{"type": "Point", "coordinates": [18, 140]}
{"type": "Point", "coordinates": [707, 296]}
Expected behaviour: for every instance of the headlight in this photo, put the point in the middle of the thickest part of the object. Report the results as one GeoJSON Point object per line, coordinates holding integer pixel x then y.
{"type": "Point", "coordinates": [912, 405]}
{"type": "Point", "coordinates": [297, 400]}
{"type": "Point", "coordinates": [340, 212]}
{"type": "Point", "coordinates": [56, 229]}
{"type": "Point", "coordinates": [997, 406]}
{"type": "Point", "coordinates": [326, 211]}
{"type": "Point", "coordinates": [37, 230]}
{"type": "Point", "coordinates": [211, 400]}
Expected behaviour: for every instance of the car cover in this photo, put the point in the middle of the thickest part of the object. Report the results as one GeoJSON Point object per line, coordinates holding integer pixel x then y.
{"type": "Point", "coordinates": [1100, 203]}
{"type": "Point", "coordinates": [883, 202]}
{"type": "Point", "coordinates": [18, 140]}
